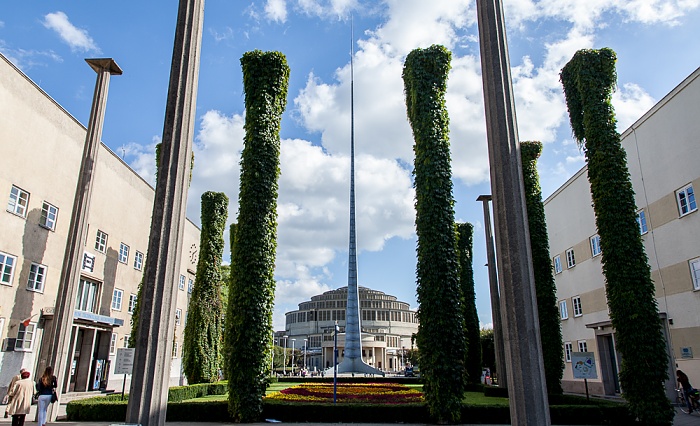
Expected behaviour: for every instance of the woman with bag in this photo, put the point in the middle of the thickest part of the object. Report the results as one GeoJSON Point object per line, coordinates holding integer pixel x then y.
{"type": "Point", "coordinates": [21, 394]}
{"type": "Point", "coordinates": [46, 388]}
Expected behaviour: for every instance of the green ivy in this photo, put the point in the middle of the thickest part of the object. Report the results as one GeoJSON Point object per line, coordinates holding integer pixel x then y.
{"type": "Point", "coordinates": [545, 289]}
{"type": "Point", "coordinates": [589, 79]}
{"type": "Point", "coordinates": [201, 351]}
{"type": "Point", "coordinates": [472, 332]}
{"type": "Point", "coordinates": [252, 288]}
{"type": "Point", "coordinates": [440, 337]}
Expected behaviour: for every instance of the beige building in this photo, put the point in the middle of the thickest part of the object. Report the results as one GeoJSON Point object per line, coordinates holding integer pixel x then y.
{"type": "Point", "coordinates": [42, 146]}
{"type": "Point", "coordinates": [662, 155]}
{"type": "Point", "coordinates": [387, 327]}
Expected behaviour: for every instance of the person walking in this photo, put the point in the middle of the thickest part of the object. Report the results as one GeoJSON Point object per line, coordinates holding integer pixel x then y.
{"type": "Point", "coordinates": [21, 393]}
{"type": "Point", "coordinates": [46, 386]}
{"type": "Point", "coordinates": [8, 398]}
{"type": "Point", "coordinates": [687, 388]}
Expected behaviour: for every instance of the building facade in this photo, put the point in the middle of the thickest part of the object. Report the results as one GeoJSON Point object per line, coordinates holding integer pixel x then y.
{"type": "Point", "coordinates": [42, 146]}
{"type": "Point", "coordinates": [387, 329]}
{"type": "Point", "coordinates": [662, 150]}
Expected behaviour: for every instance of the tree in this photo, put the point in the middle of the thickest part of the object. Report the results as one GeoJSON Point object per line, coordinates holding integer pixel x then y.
{"type": "Point", "coordinates": [252, 287]}
{"type": "Point", "coordinates": [472, 360]}
{"type": "Point", "coordinates": [545, 288]}
{"type": "Point", "coordinates": [201, 353]}
{"type": "Point", "coordinates": [488, 349]}
{"type": "Point", "coordinates": [441, 328]}
{"type": "Point", "coordinates": [589, 79]}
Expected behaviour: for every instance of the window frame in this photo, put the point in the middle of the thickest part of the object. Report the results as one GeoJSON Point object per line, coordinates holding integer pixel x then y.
{"type": "Point", "coordinates": [570, 258]}
{"type": "Point", "coordinates": [132, 303]}
{"type": "Point", "coordinates": [173, 354]}
{"type": "Point", "coordinates": [642, 222]}
{"type": "Point", "coordinates": [582, 345]}
{"type": "Point", "coordinates": [126, 341]}
{"type": "Point", "coordinates": [181, 283]}
{"type": "Point", "coordinates": [686, 195]}
{"type": "Point", "coordinates": [87, 295]}
{"type": "Point", "coordinates": [32, 284]}
{"type": "Point", "coordinates": [123, 253]}
{"type": "Point", "coordinates": [568, 350]}
{"type": "Point", "coordinates": [117, 299]}
{"type": "Point", "coordinates": [596, 250]}
{"type": "Point", "coordinates": [190, 285]}
{"type": "Point", "coordinates": [557, 264]}
{"type": "Point", "coordinates": [113, 343]}
{"type": "Point", "coordinates": [45, 216]}
{"type": "Point", "coordinates": [14, 204]}
{"type": "Point", "coordinates": [101, 239]}
{"type": "Point", "coordinates": [3, 268]}
{"type": "Point", "coordinates": [578, 307]}
{"type": "Point", "coordinates": [22, 329]}
{"type": "Point", "coordinates": [694, 265]}
{"type": "Point", "coordinates": [563, 313]}
{"type": "Point", "coordinates": [138, 260]}
{"type": "Point", "coordinates": [178, 316]}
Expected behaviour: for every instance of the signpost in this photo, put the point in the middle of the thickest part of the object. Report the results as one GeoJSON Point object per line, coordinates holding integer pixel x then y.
{"type": "Point", "coordinates": [124, 364]}
{"type": "Point", "coordinates": [583, 365]}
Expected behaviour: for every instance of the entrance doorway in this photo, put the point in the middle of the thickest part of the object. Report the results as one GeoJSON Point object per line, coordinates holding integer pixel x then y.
{"type": "Point", "coordinates": [609, 364]}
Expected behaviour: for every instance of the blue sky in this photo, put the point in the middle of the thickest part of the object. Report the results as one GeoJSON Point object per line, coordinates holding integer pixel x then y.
{"type": "Point", "coordinates": [656, 43]}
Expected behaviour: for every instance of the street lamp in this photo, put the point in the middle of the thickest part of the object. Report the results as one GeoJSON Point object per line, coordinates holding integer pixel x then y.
{"type": "Point", "coordinates": [305, 340]}
{"type": "Point", "coordinates": [335, 362]}
{"type": "Point", "coordinates": [284, 365]}
{"type": "Point", "coordinates": [403, 349]}
{"type": "Point", "coordinates": [293, 340]}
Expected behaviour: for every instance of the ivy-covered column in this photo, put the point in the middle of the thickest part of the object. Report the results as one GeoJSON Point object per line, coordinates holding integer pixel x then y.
{"type": "Point", "coordinates": [201, 349]}
{"type": "Point", "coordinates": [589, 79]}
{"type": "Point", "coordinates": [441, 329]}
{"type": "Point", "coordinates": [252, 289]}
{"type": "Point", "coordinates": [545, 289]}
{"type": "Point", "coordinates": [472, 331]}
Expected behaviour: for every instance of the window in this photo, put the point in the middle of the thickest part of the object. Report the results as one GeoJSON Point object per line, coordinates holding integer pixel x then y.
{"type": "Point", "coordinates": [25, 337]}
{"type": "Point", "coordinates": [48, 216]}
{"type": "Point", "coordinates": [578, 310]}
{"type": "Point", "coordinates": [101, 241]}
{"type": "Point", "coordinates": [138, 260]}
{"type": "Point", "coordinates": [87, 296]}
{"type": "Point", "coordinates": [557, 264]}
{"type": "Point", "coordinates": [37, 275]}
{"type": "Point", "coordinates": [113, 343]}
{"type": "Point", "coordinates": [7, 268]}
{"type": "Point", "coordinates": [132, 303]}
{"type": "Point", "coordinates": [19, 200]}
{"type": "Point", "coordinates": [685, 198]}
{"type": "Point", "coordinates": [181, 284]}
{"type": "Point", "coordinates": [642, 222]}
{"type": "Point", "coordinates": [123, 253]}
{"type": "Point", "coordinates": [568, 348]}
{"type": "Point", "coordinates": [695, 272]}
{"type": "Point", "coordinates": [582, 346]}
{"type": "Point", "coordinates": [126, 341]}
{"type": "Point", "coordinates": [117, 296]}
{"type": "Point", "coordinates": [174, 355]}
{"type": "Point", "coordinates": [190, 285]}
{"type": "Point", "coordinates": [570, 260]}
{"type": "Point", "coordinates": [595, 245]}
{"type": "Point", "coordinates": [563, 311]}
{"type": "Point", "coordinates": [178, 315]}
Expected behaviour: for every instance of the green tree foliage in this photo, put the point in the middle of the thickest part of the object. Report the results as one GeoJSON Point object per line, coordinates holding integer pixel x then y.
{"type": "Point", "coordinates": [201, 351]}
{"type": "Point", "coordinates": [252, 287]}
{"type": "Point", "coordinates": [546, 290]}
{"type": "Point", "coordinates": [441, 330]}
{"type": "Point", "coordinates": [589, 79]}
{"type": "Point", "coordinates": [465, 235]}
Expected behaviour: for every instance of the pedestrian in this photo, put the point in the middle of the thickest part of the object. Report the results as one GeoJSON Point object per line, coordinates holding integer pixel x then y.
{"type": "Point", "coordinates": [46, 387]}
{"type": "Point", "coordinates": [8, 398]}
{"type": "Point", "coordinates": [687, 388]}
{"type": "Point", "coordinates": [21, 393]}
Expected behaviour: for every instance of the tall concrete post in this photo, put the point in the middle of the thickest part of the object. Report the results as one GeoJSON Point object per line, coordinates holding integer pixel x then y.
{"type": "Point", "coordinates": [62, 323]}
{"type": "Point", "coordinates": [150, 381]}
{"type": "Point", "coordinates": [495, 297]}
{"type": "Point", "coordinates": [527, 388]}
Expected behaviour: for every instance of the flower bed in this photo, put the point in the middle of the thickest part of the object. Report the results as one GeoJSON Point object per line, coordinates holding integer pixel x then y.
{"type": "Point", "coordinates": [373, 393]}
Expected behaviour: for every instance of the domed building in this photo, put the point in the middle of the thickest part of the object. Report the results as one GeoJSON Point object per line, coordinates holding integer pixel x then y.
{"type": "Point", "coordinates": [387, 327]}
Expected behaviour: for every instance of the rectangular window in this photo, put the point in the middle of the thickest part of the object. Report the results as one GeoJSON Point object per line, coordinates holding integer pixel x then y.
{"type": "Point", "coordinates": [595, 245]}
{"type": "Point", "coordinates": [695, 272]}
{"type": "Point", "coordinates": [87, 296]}
{"type": "Point", "coordinates": [178, 316]}
{"type": "Point", "coordinates": [578, 310]}
{"type": "Point", "coordinates": [563, 311]}
{"type": "Point", "coordinates": [123, 253]}
{"type": "Point", "coordinates": [49, 213]}
{"type": "Point", "coordinates": [557, 264]}
{"type": "Point", "coordinates": [37, 276]}
{"type": "Point", "coordinates": [126, 341]}
{"type": "Point", "coordinates": [181, 284]}
{"type": "Point", "coordinates": [568, 348]}
{"type": "Point", "coordinates": [25, 337]}
{"type": "Point", "coordinates": [582, 346]}
{"type": "Point", "coordinates": [132, 303]}
{"type": "Point", "coordinates": [19, 201]}
{"type": "Point", "coordinates": [174, 354]}
{"type": "Point", "coordinates": [642, 222]}
{"type": "Point", "coordinates": [686, 200]}
{"type": "Point", "coordinates": [7, 268]}
{"type": "Point", "coordinates": [138, 260]}
{"type": "Point", "coordinates": [190, 285]}
{"type": "Point", "coordinates": [117, 296]}
{"type": "Point", "coordinates": [101, 241]}
{"type": "Point", "coordinates": [570, 260]}
{"type": "Point", "coordinates": [113, 343]}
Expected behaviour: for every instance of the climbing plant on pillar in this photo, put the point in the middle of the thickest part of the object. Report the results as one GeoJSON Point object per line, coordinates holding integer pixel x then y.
{"type": "Point", "coordinates": [202, 344]}
{"type": "Point", "coordinates": [589, 79]}
{"type": "Point", "coordinates": [545, 289]}
{"type": "Point", "coordinates": [252, 287]}
{"type": "Point", "coordinates": [472, 332]}
{"type": "Point", "coordinates": [441, 323]}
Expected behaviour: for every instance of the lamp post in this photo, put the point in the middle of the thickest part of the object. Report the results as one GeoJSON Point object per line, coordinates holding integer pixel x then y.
{"type": "Point", "coordinates": [403, 349]}
{"type": "Point", "coordinates": [293, 340]}
{"type": "Point", "coordinates": [335, 362]}
{"type": "Point", "coordinates": [284, 364]}
{"type": "Point", "coordinates": [305, 340]}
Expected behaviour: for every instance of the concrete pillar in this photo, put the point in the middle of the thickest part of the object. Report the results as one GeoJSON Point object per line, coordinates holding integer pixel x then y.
{"type": "Point", "coordinates": [150, 381]}
{"type": "Point", "coordinates": [526, 383]}
{"type": "Point", "coordinates": [59, 340]}
{"type": "Point", "coordinates": [495, 297]}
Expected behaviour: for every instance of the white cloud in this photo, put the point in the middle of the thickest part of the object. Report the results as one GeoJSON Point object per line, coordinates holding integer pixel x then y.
{"type": "Point", "coordinates": [327, 8]}
{"type": "Point", "coordinates": [141, 158]}
{"type": "Point", "coordinates": [78, 39]}
{"type": "Point", "coordinates": [276, 10]}
{"type": "Point", "coordinates": [630, 102]}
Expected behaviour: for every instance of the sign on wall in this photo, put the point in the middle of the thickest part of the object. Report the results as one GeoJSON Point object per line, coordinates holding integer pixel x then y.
{"type": "Point", "coordinates": [583, 364]}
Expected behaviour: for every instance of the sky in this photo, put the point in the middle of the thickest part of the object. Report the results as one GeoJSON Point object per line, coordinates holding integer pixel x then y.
{"type": "Point", "coordinates": [655, 41]}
